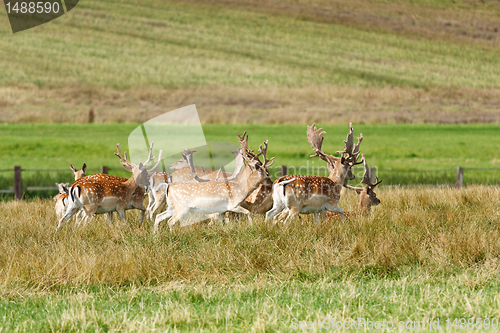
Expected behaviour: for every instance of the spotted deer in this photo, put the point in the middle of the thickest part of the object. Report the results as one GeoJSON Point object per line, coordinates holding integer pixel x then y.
{"type": "Point", "coordinates": [294, 194]}
{"type": "Point", "coordinates": [97, 196]}
{"type": "Point", "coordinates": [217, 196]}
{"type": "Point", "coordinates": [182, 174]}
{"type": "Point", "coordinates": [61, 199]}
{"type": "Point", "coordinates": [261, 199]}
{"type": "Point", "coordinates": [157, 188]}
{"type": "Point", "coordinates": [137, 200]}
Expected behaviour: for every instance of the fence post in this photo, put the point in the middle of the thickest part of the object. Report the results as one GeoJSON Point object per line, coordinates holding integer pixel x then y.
{"type": "Point", "coordinates": [104, 170]}
{"type": "Point", "coordinates": [18, 184]}
{"type": "Point", "coordinates": [284, 171]}
{"type": "Point", "coordinates": [460, 177]}
{"type": "Point", "coordinates": [91, 116]}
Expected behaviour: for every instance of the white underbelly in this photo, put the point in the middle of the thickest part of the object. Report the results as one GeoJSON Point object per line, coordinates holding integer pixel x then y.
{"type": "Point", "coordinates": [209, 205]}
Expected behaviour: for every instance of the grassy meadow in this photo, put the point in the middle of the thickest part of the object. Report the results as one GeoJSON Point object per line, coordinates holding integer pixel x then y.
{"type": "Point", "coordinates": [419, 78]}
{"type": "Point", "coordinates": [276, 62]}
{"type": "Point", "coordinates": [402, 153]}
{"type": "Point", "coordinates": [422, 254]}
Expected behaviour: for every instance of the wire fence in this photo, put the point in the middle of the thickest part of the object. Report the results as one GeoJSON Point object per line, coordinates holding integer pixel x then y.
{"type": "Point", "coordinates": [30, 183]}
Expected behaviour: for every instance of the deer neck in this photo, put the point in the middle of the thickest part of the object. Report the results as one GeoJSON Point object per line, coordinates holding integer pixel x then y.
{"type": "Point", "coordinates": [247, 180]}
{"type": "Point", "coordinates": [364, 202]}
{"type": "Point", "coordinates": [338, 174]}
{"type": "Point", "coordinates": [131, 183]}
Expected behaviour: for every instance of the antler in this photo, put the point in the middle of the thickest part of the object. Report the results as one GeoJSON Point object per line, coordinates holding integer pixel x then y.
{"type": "Point", "coordinates": [150, 158]}
{"type": "Point", "coordinates": [315, 138]}
{"type": "Point", "coordinates": [366, 176]}
{"type": "Point", "coordinates": [245, 151]}
{"type": "Point", "coordinates": [243, 141]}
{"type": "Point", "coordinates": [123, 160]}
{"type": "Point", "coordinates": [188, 156]}
{"type": "Point", "coordinates": [129, 165]}
{"type": "Point", "coordinates": [351, 151]}
{"type": "Point", "coordinates": [263, 152]}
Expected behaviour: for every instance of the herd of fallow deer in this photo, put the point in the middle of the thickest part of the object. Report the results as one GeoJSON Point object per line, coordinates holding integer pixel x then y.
{"type": "Point", "coordinates": [190, 190]}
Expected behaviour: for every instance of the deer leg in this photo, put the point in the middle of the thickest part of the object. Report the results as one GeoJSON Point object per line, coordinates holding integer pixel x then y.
{"type": "Point", "coordinates": [282, 215]}
{"type": "Point", "coordinates": [156, 205]}
{"type": "Point", "coordinates": [316, 218]}
{"type": "Point", "coordinates": [143, 211]}
{"type": "Point", "coordinates": [179, 214]}
{"type": "Point", "coordinates": [163, 216]}
{"type": "Point", "coordinates": [291, 215]}
{"type": "Point", "coordinates": [336, 209]}
{"type": "Point", "coordinates": [160, 197]}
{"type": "Point", "coordinates": [69, 213]}
{"type": "Point", "coordinates": [110, 218]}
{"type": "Point", "coordinates": [239, 209]}
{"type": "Point", "coordinates": [277, 208]}
{"type": "Point", "coordinates": [80, 217]}
{"type": "Point", "coordinates": [151, 199]}
{"type": "Point", "coordinates": [122, 215]}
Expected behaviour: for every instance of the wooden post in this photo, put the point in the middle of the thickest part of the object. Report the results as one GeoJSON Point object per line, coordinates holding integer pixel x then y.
{"type": "Point", "coordinates": [284, 171]}
{"type": "Point", "coordinates": [460, 177]}
{"type": "Point", "coordinates": [104, 170]}
{"type": "Point", "coordinates": [18, 184]}
{"type": "Point", "coordinates": [91, 116]}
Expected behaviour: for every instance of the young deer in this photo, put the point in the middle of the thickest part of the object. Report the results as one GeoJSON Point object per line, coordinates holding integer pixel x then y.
{"type": "Point", "coordinates": [294, 194]}
{"type": "Point", "coordinates": [208, 197]}
{"type": "Point", "coordinates": [61, 199]}
{"type": "Point", "coordinates": [102, 196]}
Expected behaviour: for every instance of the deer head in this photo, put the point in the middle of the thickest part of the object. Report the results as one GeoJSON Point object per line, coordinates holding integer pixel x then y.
{"type": "Point", "coordinates": [129, 166]}
{"type": "Point", "coordinates": [78, 173]}
{"type": "Point", "coordinates": [180, 164]}
{"type": "Point", "coordinates": [367, 195]}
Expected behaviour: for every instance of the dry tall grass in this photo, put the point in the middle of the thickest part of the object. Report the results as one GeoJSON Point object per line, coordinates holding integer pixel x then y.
{"type": "Point", "coordinates": [334, 104]}
{"type": "Point", "coordinates": [431, 229]}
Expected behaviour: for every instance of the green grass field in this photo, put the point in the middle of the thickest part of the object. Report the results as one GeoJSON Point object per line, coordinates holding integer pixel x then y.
{"type": "Point", "coordinates": [403, 153]}
{"type": "Point", "coordinates": [422, 254]}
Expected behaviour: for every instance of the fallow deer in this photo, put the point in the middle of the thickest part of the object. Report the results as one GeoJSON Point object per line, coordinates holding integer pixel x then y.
{"type": "Point", "coordinates": [137, 200]}
{"type": "Point", "coordinates": [157, 189]}
{"type": "Point", "coordinates": [102, 196]}
{"type": "Point", "coordinates": [367, 196]}
{"type": "Point", "coordinates": [61, 199]}
{"type": "Point", "coordinates": [294, 194]}
{"type": "Point", "coordinates": [261, 199]}
{"type": "Point", "coordinates": [182, 174]}
{"type": "Point", "coordinates": [208, 197]}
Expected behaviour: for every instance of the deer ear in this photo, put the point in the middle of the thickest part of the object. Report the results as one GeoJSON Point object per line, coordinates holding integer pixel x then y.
{"type": "Point", "coordinates": [84, 167]}
{"type": "Point", "coordinates": [72, 167]}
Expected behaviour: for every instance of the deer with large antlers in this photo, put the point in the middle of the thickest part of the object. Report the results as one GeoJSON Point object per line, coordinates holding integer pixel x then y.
{"type": "Point", "coordinates": [97, 196]}
{"type": "Point", "coordinates": [294, 194]}
{"type": "Point", "coordinates": [217, 196]}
